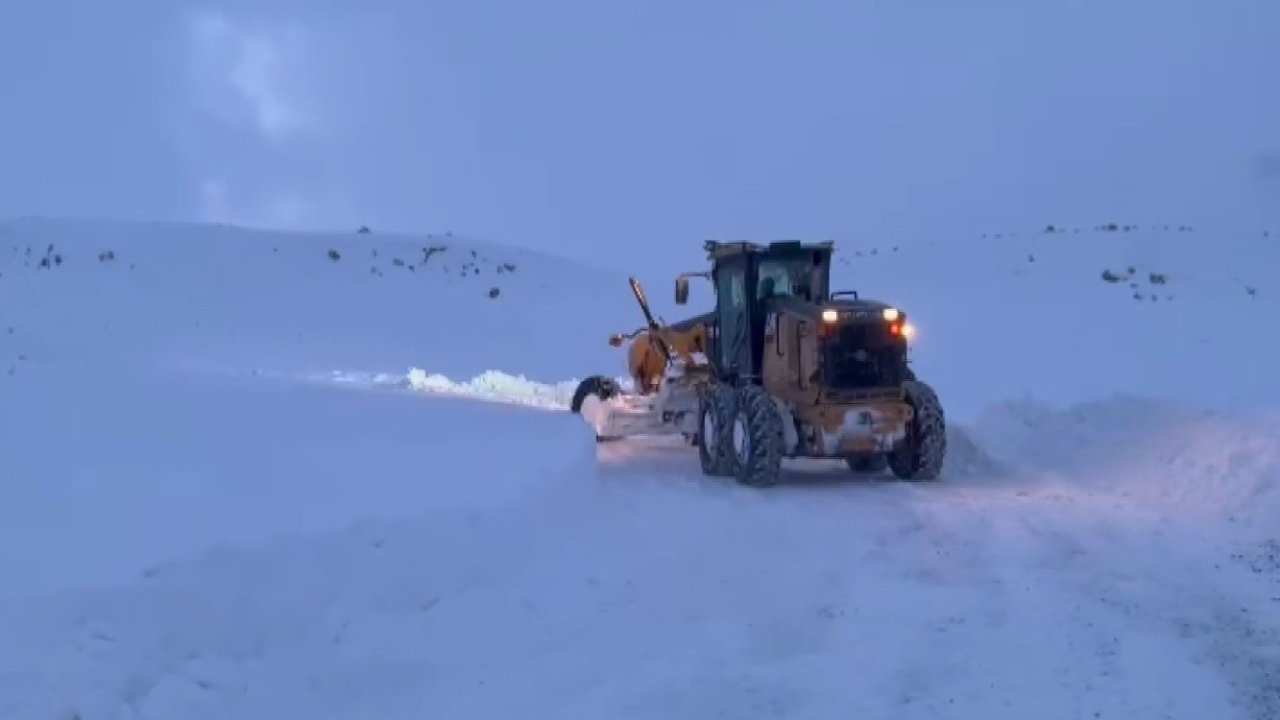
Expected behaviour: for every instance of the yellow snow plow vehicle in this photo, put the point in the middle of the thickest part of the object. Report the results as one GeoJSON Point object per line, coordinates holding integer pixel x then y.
{"type": "Point", "coordinates": [781, 368]}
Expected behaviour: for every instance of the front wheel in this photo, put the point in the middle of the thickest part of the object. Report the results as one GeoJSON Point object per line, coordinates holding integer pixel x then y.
{"type": "Point", "coordinates": [758, 439]}
{"type": "Point", "coordinates": [714, 437]}
{"type": "Point", "coordinates": [919, 456]}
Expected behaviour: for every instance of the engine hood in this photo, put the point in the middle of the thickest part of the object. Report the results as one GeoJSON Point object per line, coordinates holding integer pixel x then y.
{"type": "Point", "coordinates": [848, 307]}
{"type": "Point", "coordinates": [854, 304]}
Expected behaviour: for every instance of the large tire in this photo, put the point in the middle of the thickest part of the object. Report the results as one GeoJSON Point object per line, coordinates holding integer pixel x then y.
{"type": "Point", "coordinates": [598, 385]}
{"type": "Point", "coordinates": [867, 463]}
{"type": "Point", "coordinates": [715, 430]}
{"type": "Point", "coordinates": [758, 438]}
{"type": "Point", "coordinates": [920, 455]}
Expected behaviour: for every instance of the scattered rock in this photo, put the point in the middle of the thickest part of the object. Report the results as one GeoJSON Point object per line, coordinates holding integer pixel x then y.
{"type": "Point", "coordinates": [493, 292]}
{"type": "Point", "coordinates": [427, 252]}
{"type": "Point", "coordinates": [334, 256]}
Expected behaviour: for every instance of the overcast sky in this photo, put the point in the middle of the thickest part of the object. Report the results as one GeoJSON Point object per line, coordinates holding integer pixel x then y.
{"type": "Point", "coordinates": [643, 126]}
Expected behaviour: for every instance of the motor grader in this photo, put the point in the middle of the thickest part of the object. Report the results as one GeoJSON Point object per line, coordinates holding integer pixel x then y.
{"type": "Point", "coordinates": [781, 368]}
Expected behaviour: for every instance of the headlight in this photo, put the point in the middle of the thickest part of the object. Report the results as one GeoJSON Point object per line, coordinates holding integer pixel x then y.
{"type": "Point", "coordinates": [891, 314]}
{"type": "Point", "coordinates": [830, 316]}
{"type": "Point", "coordinates": [908, 330]}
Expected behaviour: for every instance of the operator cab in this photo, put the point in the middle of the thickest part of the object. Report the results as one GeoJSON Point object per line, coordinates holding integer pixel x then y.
{"type": "Point", "coordinates": [751, 281]}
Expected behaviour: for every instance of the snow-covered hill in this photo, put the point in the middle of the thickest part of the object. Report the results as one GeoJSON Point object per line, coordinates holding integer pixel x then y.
{"type": "Point", "coordinates": [241, 477]}
{"type": "Point", "coordinates": [1069, 313]}
{"type": "Point", "coordinates": [215, 298]}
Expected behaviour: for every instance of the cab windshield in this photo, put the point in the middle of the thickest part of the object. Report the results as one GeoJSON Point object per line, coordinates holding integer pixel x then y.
{"type": "Point", "coordinates": [790, 276]}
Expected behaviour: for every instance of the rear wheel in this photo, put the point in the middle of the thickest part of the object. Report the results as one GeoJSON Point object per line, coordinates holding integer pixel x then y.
{"type": "Point", "coordinates": [757, 438]}
{"type": "Point", "coordinates": [920, 454]}
{"type": "Point", "coordinates": [598, 388]}
{"type": "Point", "coordinates": [714, 437]}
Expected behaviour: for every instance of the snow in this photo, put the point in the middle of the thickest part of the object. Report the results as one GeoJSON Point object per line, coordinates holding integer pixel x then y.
{"type": "Point", "coordinates": [239, 479]}
{"type": "Point", "coordinates": [1014, 308]}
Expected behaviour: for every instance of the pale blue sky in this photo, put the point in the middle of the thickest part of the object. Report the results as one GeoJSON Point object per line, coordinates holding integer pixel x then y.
{"type": "Point", "coordinates": [562, 124]}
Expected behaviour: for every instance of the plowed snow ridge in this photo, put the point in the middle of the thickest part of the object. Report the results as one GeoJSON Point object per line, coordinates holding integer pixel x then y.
{"type": "Point", "coordinates": [489, 386]}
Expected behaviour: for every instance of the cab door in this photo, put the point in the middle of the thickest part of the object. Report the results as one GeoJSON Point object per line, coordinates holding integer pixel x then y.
{"type": "Point", "coordinates": [733, 341]}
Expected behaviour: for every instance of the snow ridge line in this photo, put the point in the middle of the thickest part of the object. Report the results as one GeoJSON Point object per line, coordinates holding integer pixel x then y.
{"type": "Point", "coordinates": [495, 386]}
{"type": "Point", "coordinates": [489, 386]}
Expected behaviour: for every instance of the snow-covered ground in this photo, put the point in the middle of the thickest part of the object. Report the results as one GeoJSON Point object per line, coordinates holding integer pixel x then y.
{"type": "Point", "coordinates": [241, 479]}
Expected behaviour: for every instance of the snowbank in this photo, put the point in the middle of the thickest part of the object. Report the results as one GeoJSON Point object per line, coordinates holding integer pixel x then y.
{"type": "Point", "coordinates": [104, 479]}
{"type": "Point", "coordinates": [496, 386]}
{"type": "Point", "coordinates": [1210, 466]}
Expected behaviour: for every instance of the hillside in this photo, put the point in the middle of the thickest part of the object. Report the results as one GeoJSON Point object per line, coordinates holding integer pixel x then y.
{"type": "Point", "coordinates": [245, 478]}
{"type": "Point", "coordinates": [1084, 311]}
{"type": "Point", "coordinates": [217, 299]}
{"type": "Point", "coordinates": [1123, 310]}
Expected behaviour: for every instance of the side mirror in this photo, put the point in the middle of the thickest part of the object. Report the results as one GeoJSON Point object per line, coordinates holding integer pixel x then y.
{"type": "Point", "coordinates": [682, 290]}
{"type": "Point", "coordinates": [615, 340]}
